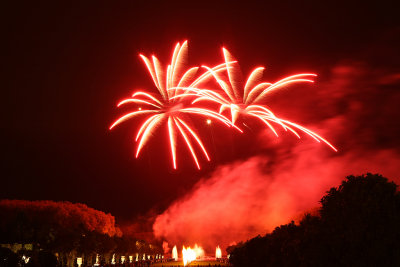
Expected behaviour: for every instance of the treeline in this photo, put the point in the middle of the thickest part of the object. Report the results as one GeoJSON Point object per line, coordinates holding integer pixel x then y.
{"type": "Point", "coordinates": [59, 232]}
{"type": "Point", "coordinates": [358, 224]}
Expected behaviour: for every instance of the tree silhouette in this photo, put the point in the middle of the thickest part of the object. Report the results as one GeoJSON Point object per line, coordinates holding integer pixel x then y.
{"type": "Point", "coordinates": [358, 225]}
{"type": "Point", "coordinates": [362, 220]}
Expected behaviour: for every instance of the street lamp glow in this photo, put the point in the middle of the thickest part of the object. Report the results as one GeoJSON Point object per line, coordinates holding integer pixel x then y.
{"type": "Point", "coordinates": [25, 258]}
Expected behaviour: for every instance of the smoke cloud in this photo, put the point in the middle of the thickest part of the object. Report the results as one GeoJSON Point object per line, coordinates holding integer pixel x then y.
{"type": "Point", "coordinates": [356, 108]}
{"type": "Point", "coordinates": [243, 199]}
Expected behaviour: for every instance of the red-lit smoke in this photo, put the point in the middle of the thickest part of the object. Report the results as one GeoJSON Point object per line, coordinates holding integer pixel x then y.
{"type": "Point", "coordinates": [357, 109]}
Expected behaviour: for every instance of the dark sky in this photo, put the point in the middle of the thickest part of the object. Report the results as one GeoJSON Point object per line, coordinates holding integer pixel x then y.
{"type": "Point", "coordinates": [66, 65]}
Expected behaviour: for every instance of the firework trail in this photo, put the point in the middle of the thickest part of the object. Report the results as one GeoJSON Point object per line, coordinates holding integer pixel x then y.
{"type": "Point", "coordinates": [246, 99]}
{"type": "Point", "coordinates": [168, 108]}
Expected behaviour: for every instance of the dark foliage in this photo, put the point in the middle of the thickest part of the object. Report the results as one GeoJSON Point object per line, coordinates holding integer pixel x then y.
{"type": "Point", "coordinates": [8, 258]}
{"type": "Point", "coordinates": [63, 228]}
{"type": "Point", "coordinates": [42, 258]}
{"type": "Point", "coordinates": [358, 225]}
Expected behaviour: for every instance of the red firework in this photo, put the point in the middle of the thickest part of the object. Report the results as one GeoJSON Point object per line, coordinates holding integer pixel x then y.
{"type": "Point", "coordinates": [246, 99]}
{"type": "Point", "coordinates": [169, 108]}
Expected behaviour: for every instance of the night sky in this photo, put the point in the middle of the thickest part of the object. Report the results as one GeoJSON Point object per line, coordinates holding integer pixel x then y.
{"type": "Point", "coordinates": [66, 65]}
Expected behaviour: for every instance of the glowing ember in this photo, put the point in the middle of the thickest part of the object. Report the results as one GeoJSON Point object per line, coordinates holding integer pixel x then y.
{"type": "Point", "coordinates": [218, 253]}
{"type": "Point", "coordinates": [169, 108]}
{"type": "Point", "coordinates": [175, 253]}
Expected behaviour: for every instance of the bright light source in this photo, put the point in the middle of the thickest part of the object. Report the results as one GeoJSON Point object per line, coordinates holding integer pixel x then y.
{"type": "Point", "coordinates": [189, 255]}
{"type": "Point", "coordinates": [218, 253]}
{"type": "Point", "coordinates": [97, 263]}
{"type": "Point", "coordinates": [208, 121]}
{"type": "Point", "coordinates": [175, 253]}
{"type": "Point", "coordinates": [25, 259]}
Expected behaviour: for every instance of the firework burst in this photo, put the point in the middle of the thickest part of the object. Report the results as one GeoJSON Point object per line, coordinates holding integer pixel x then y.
{"type": "Point", "coordinates": [169, 109]}
{"type": "Point", "coordinates": [246, 99]}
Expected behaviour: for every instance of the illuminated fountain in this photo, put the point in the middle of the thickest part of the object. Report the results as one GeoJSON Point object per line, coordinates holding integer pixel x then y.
{"type": "Point", "coordinates": [189, 254]}
{"type": "Point", "coordinates": [175, 253]}
{"type": "Point", "coordinates": [199, 251]}
{"type": "Point", "coordinates": [97, 263]}
{"type": "Point", "coordinates": [113, 259]}
{"type": "Point", "coordinates": [218, 253]}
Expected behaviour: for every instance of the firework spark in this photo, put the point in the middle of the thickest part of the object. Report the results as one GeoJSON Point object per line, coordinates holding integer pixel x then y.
{"type": "Point", "coordinates": [169, 108]}
{"type": "Point", "coordinates": [247, 99]}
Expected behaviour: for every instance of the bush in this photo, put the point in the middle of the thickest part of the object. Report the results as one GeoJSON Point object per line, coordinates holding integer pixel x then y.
{"type": "Point", "coordinates": [358, 225]}
{"type": "Point", "coordinates": [8, 258]}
